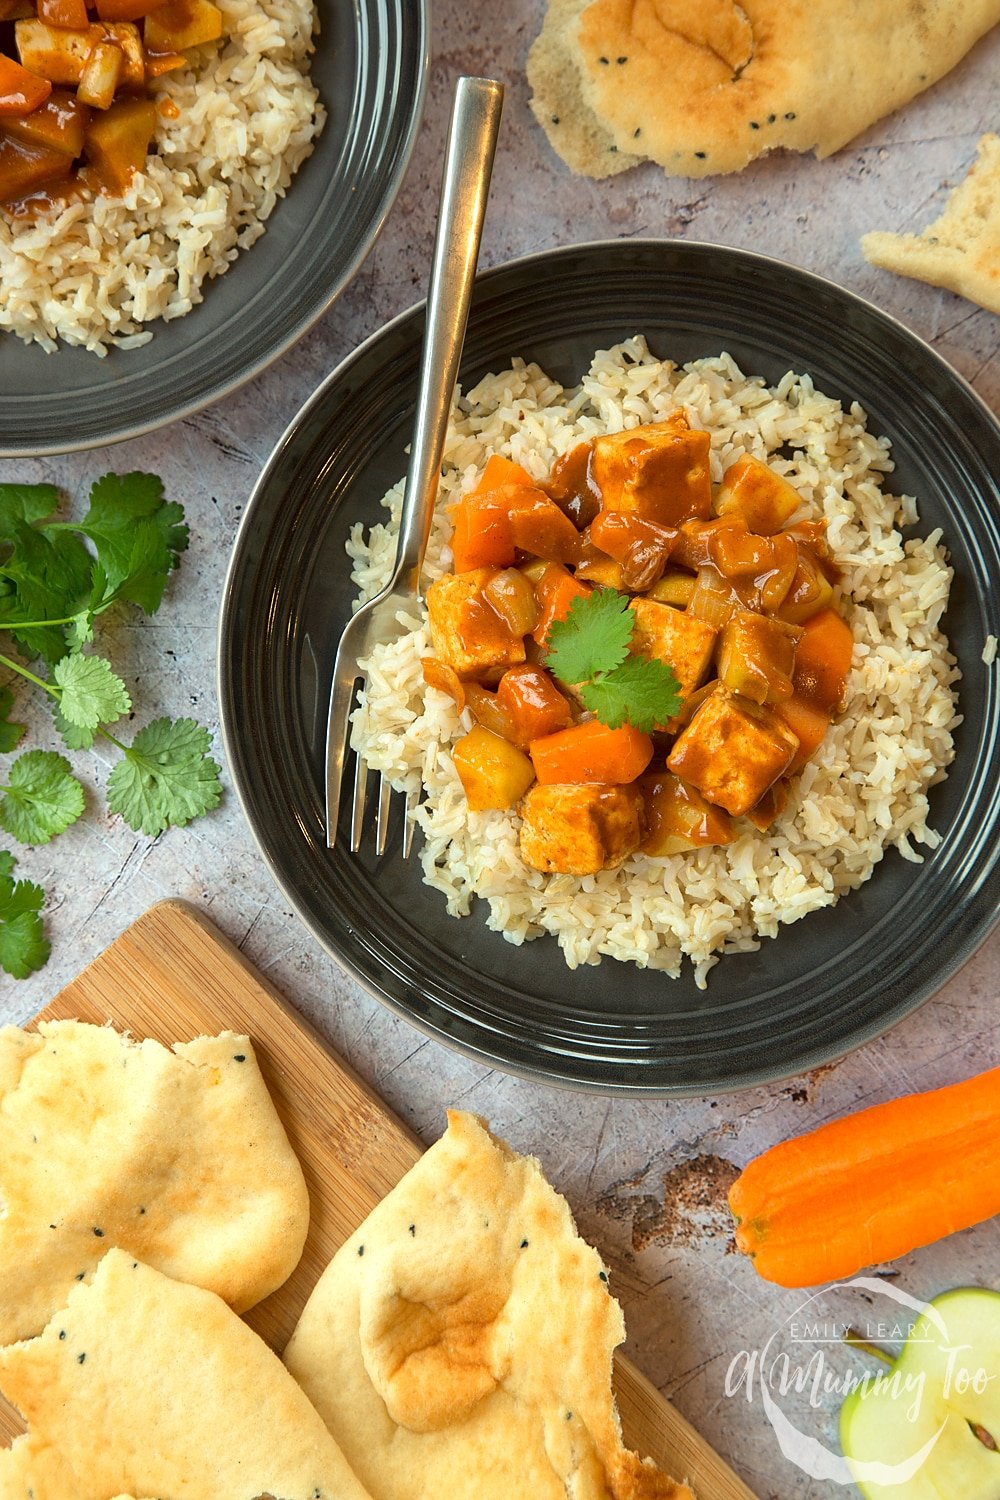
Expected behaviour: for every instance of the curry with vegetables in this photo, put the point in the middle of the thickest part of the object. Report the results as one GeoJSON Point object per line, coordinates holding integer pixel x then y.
{"type": "Point", "coordinates": [76, 112]}
{"type": "Point", "coordinates": [646, 663]}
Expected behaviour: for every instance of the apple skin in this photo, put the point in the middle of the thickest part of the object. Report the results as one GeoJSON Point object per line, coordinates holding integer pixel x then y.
{"type": "Point", "coordinates": [946, 1378]}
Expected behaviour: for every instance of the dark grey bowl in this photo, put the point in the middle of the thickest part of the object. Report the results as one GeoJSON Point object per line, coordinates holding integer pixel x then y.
{"type": "Point", "coordinates": [827, 983]}
{"type": "Point", "coordinates": [370, 66]}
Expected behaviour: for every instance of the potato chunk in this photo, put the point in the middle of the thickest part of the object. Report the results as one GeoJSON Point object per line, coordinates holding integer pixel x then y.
{"type": "Point", "coordinates": [682, 640]}
{"type": "Point", "coordinates": [493, 772]}
{"type": "Point", "coordinates": [732, 751]}
{"type": "Point", "coordinates": [659, 472]}
{"type": "Point", "coordinates": [762, 498]}
{"type": "Point", "coordinates": [469, 635]}
{"type": "Point", "coordinates": [580, 829]}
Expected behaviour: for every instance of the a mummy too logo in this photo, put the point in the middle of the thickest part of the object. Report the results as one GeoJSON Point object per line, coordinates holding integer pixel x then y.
{"type": "Point", "coordinates": [935, 1408]}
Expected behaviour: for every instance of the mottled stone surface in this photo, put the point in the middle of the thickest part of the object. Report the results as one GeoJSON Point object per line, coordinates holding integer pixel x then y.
{"type": "Point", "coordinates": [647, 1180]}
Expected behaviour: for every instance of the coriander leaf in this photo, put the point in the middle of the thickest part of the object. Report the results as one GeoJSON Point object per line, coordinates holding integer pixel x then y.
{"type": "Point", "coordinates": [138, 535]}
{"type": "Point", "coordinates": [23, 505]}
{"type": "Point", "coordinates": [42, 797]}
{"type": "Point", "coordinates": [592, 638]}
{"type": "Point", "coordinates": [23, 944]}
{"type": "Point", "coordinates": [165, 777]}
{"type": "Point", "coordinates": [10, 732]}
{"type": "Point", "coordinates": [75, 736]}
{"type": "Point", "coordinates": [7, 862]}
{"type": "Point", "coordinates": [643, 692]}
{"type": "Point", "coordinates": [91, 693]}
{"type": "Point", "coordinates": [80, 630]}
{"type": "Point", "coordinates": [49, 573]}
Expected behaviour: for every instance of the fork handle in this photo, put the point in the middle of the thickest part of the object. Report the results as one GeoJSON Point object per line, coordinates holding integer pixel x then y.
{"type": "Point", "coordinates": [472, 139]}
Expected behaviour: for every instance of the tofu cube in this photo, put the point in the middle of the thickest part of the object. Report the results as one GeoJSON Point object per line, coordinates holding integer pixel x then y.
{"type": "Point", "coordinates": [659, 472]}
{"type": "Point", "coordinates": [61, 55]}
{"type": "Point", "coordinates": [762, 498]}
{"type": "Point", "coordinates": [732, 751]}
{"type": "Point", "coordinates": [681, 640]}
{"type": "Point", "coordinates": [468, 635]}
{"type": "Point", "coordinates": [581, 828]}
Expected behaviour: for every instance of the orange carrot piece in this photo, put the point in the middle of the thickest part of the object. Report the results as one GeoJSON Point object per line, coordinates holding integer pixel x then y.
{"type": "Point", "coordinates": [533, 704]}
{"type": "Point", "coordinates": [500, 473]}
{"type": "Point", "coordinates": [823, 659]}
{"type": "Point", "coordinates": [483, 536]}
{"type": "Point", "coordinates": [20, 90]}
{"type": "Point", "coordinates": [592, 752]}
{"type": "Point", "coordinates": [871, 1186]}
{"type": "Point", "coordinates": [808, 722]}
{"type": "Point", "coordinates": [555, 592]}
{"type": "Point", "coordinates": [70, 15]}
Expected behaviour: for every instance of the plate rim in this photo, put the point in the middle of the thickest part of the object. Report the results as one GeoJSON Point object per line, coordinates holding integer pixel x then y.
{"type": "Point", "coordinates": [751, 1077]}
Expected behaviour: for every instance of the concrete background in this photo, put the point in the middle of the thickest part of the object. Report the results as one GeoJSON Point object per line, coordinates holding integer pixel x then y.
{"type": "Point", "coordinates": [646, 1180]}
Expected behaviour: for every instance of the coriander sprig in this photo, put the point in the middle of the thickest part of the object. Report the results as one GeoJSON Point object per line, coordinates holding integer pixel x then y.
{"type": "Point", "coordinates": [589, 650]}
{"type": "Point", "coordinates": [57, 577]}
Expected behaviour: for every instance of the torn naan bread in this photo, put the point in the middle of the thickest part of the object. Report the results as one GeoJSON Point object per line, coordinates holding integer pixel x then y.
{"type": "Point", "coordinates": [961, 249]}
{"type": "Point", "coordinates": [574, 131]}
{"type": "Point", "coordinates": [707, 86]}
{"type": "Point", "coordinates": [146, 1386]}
{"type": "Point", "coordinates": [177, 1156]}
{"type": "Point", "coordinates": [461, 1342]}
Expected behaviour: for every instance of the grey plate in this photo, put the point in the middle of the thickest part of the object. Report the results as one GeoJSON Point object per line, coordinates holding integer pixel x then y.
{"type": "Point", "coordinates": [825, 984]}
{"type": "Point", "coordinates": [370, 66]}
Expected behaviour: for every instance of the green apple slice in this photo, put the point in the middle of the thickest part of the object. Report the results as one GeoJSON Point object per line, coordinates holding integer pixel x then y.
{"type": "Point", "coordinates": [910, 1432]}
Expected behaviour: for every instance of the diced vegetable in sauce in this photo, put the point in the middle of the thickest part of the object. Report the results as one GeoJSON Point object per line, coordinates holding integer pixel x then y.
{"type": "Point", "coordinates": [76, 112]}
{"type": "Point", "coordinates": [734, 600]}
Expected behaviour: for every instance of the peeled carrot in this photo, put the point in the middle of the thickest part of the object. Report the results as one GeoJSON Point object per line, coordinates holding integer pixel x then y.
{"type": "Point", "coordinates": [823, 659]}
{"type": "Point", "coordinates": [872, 1186]}
{"type": "Point", "coordinates": [592, 752]}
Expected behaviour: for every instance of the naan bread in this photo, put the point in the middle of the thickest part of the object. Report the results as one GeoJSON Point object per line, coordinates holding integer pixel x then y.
{"type": "Point", "coordinates": [574, 131]}
{"type": "Point", "coordinates": [146, 1386]}
{"type": "Point", "coordinates": [460, 1343]}
{"type": "Point", "coordinates": [178, 1157]}
{"type": "Point", "coordinates": [710, 85]}
{"type": "Point", "coordinates": [961, 249]}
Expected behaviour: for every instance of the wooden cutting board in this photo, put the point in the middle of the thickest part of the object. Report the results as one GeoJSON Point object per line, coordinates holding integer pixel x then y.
{"type": "Point", "coordinates": [173, 976]}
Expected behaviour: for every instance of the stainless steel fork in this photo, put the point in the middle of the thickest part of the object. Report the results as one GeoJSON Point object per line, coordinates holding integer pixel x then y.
{"type": "Point", "coordinates": [472, 138]}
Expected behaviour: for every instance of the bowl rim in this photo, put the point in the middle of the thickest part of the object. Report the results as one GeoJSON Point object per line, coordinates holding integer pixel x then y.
{"type": "Point", "coordinates": [125, 433]}
{"type": "Point", "coordinates": [750, 1078]}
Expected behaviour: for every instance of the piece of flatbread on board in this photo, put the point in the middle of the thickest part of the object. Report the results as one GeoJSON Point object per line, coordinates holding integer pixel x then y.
{"type": "Point", "coordinates": [574, 131]}
{"type": "Point", "coordinates": [961, 249]}
{"type": "Point", "coordinates": [460, 1343]}
{"type": "Point", "coordinates": [178, 1156]}
{"type": "Point", "coordinates": [713, 84]}
{"type": "Point", "coordinates": [146, 1386]}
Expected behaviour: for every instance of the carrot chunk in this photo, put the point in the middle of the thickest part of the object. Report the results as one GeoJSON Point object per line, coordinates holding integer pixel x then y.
{"type": "Point", "coordinates": [592, 752]}
{"type": "Point", "coordinates": [555, 592]}
{"type": "Point", "coordinates": [823, 660]}
{"type": "Point", "coordinates": [21, 91]}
